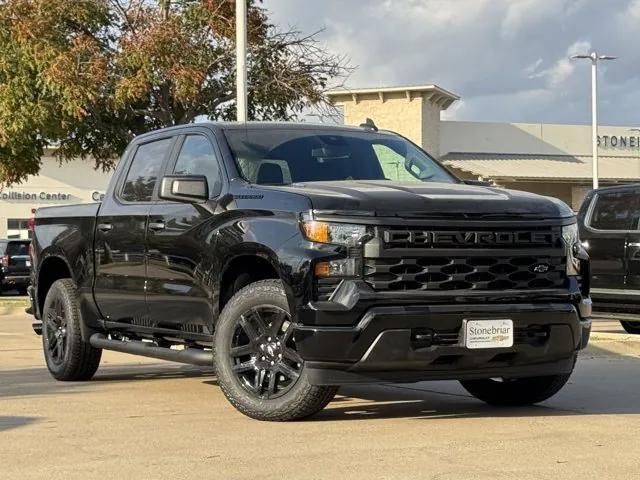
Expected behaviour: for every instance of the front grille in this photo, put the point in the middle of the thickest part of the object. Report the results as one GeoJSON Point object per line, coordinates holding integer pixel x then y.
{"type": "Point", "coordinates": [495, 272]}
{"type": "Point", "coordinates": [480, 237]}
{"type": "Point", "coordinates": [492, 257]}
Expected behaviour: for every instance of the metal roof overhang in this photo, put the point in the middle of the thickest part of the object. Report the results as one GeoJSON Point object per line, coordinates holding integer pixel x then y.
{"type": "Point", "coordinates": [560, 168]}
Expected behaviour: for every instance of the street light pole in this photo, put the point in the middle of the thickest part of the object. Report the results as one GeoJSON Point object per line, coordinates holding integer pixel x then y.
{"type": "Point", "coordinates": [241, 60]}
{"type": "Point", "coordinates": [594, 57]}
{"type": "Point", "coordinates": [594, 118]}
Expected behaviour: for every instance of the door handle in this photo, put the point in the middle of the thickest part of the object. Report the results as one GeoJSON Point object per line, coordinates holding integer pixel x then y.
{"type": "Point", "coordinates": [105, 227]}
{"type": "Point", "coordinates": [156, 226]}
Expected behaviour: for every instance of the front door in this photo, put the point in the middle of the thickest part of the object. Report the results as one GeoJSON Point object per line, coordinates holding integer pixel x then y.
{"type": "Point", "coordinates": [611, 218]}
{"type": "Point", "coordinates": [180, 245]}
{"type": "Point", "coordinates": [121, 234]}
{"type": "Point", "coordinates": [632, 251]}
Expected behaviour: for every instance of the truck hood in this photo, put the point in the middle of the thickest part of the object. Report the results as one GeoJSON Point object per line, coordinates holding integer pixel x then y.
{"type": "Point", "coordinates": [426, 200]}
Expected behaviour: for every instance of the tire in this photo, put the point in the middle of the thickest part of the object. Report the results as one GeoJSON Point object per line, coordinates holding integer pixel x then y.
{"type": "Point", "coordinates": [255, 360]}
{"type": "Point", "coordinates": [517, 392]}
{"type": "Point", "coordinates": [67, 355]}
{"type": "Point", "coordinates": [631, 327]}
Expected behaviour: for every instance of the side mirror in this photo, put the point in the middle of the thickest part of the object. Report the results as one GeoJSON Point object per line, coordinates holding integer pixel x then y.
{"type": "Point", "coordinates": [184, 188]}
{"type": "Point", "coordinates": [478, 183]}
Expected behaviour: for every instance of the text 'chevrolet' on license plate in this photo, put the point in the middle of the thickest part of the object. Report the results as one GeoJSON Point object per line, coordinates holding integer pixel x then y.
{"type": "Point", "coordinates": [488, 333]}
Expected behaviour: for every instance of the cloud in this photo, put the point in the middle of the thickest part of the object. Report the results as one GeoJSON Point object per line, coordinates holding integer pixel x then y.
{"type": "Point", "coordinates": [507, 59]}
{"type": "Point", "coordinates": [556, 75]}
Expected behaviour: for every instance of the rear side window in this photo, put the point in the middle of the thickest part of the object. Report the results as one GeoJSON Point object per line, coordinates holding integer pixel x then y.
{"type": "Point", "coordinates": [17, 248]}
{"type": "Point", "coordinates": [144, 171]}
{"type": "Point", "coordinates": [616, 211]}
{"type": "Point", "coordinates": [197, 157]}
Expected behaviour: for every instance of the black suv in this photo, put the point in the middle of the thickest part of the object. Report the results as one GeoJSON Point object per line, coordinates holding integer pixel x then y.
{"type": "Point", "coordinates": [296, 258]}
{"type": "Point", "coordinates": [15, 265]}
{"type": "Point", "coordinates": [610, 231]}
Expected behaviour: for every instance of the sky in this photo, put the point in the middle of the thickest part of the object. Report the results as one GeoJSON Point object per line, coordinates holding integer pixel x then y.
{"type": "Point", "coordinates": [508, 60]}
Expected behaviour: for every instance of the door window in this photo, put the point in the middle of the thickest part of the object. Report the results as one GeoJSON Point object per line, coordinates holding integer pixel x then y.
{"type": "Point", "coordinates": [616, 211]}
{"type": "Point", "coordinates": [144, 171]}
{"type": "Point", "coordinates": [197, 157]}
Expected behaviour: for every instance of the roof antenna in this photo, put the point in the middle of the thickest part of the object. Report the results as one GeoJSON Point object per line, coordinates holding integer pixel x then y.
{"type": "Point", "coordinates": [369, 125]}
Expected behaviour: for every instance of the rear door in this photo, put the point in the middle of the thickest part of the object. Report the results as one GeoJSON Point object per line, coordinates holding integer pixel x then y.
{"type": "Point", "coordinates": [611, 217]}
{"type": "Point", "coordinates": [121, 233]}
{"type": "Point", "coordinates": [180, 247]}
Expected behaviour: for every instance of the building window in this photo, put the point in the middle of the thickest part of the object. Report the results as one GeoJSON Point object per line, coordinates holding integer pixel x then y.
{"type": "Point", "coordinates": [18, 228]}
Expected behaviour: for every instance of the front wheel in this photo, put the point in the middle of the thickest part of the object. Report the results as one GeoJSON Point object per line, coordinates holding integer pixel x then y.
{"type": "Point", "coordinates": [255, 357]}
{"type": "Point", "coordinates": [516, 392]}
{"type": "Point", "coordinates": [631, 327]}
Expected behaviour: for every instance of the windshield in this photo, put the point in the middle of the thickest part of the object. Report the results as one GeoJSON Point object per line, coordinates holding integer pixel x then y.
{"type": "Point", "coordinates": [17, 248]}
{"type": "Point", "coordinates": [277, 156]}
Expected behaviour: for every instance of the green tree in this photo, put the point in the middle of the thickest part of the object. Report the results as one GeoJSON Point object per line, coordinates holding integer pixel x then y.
{"type": "Point", "coordinates": [85, 76]}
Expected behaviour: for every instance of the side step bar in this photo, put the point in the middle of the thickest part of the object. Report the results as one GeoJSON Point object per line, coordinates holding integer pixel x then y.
{"type": "Point", "coordinates": [192, 356]}
{"type": "Point", "coordinates": [37, 327]}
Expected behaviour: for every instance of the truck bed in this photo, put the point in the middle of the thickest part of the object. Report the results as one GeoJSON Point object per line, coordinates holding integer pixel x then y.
{"type": "Point", "coordinates": [67, 232]}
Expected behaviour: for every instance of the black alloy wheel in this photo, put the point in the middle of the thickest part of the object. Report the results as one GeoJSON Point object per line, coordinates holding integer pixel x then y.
{"type": "Point", "coordinates": [55, 324]}
{"type": "Point", "coordinates": [67, 355]}
{"type": "Point", "coordinates": [257, 360]}
{"type": "Point", "coordinates": [263, 354]}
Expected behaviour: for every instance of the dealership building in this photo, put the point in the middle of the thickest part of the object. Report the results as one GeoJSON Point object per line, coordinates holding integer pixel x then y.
{"type": "Point", "coordinates": [548, 159]}
{"type": "Point", "coordinates": [57, 184]}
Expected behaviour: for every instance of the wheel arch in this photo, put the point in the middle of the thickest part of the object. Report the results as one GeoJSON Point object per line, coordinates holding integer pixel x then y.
{"type": "Point", "coordinates": [53, 267]}
{"type": "Point", "coordinates": [244, 268]}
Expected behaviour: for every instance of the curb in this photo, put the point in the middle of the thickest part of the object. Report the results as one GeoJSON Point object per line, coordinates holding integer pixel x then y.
{"type": "Point", "coordinates": [11, 306]}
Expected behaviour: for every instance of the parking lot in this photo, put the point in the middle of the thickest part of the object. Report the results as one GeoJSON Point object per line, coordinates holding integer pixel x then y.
{"type": "Point", "coordinates": [144, 418]}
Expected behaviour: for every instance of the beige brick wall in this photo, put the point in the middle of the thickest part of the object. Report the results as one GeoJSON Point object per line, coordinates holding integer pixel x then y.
{"type": "Point", "coordinates": [395, 112]}
{"type": "Point", "coordinates": [430, 127]}
{"type": "Point", "coordinates": [416, 117]}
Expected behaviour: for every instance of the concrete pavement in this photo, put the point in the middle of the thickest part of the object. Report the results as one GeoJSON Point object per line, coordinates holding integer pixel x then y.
{"type": "Point", "coordinates": [142, 418]}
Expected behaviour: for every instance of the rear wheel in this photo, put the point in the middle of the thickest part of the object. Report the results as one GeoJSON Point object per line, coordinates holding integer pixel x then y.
{"type": "Point", "coordinates": [258, 367]}
{"type": "Point", "coordinates": [516, 392]}
{"type": "Point", "coordinates": [631, 327]}
{"type": "Point", "coordinates": [67, 355]}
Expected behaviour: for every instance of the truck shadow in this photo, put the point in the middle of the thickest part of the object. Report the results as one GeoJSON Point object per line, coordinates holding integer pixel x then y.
{"type": "Point", "coordinates": [603, 383]}
{"type": "Point", "coordinates": [37, 381]}
{"type": "Point", "coordinates": [12, 422]}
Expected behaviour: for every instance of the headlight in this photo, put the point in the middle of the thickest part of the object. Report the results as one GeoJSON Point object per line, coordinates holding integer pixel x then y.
{"type": "Point", "coordinates": [346, 234]}
{"type": "Point", "coordinates": [572, 242]}
{"type": "Point", "coordinates": [336, 233]}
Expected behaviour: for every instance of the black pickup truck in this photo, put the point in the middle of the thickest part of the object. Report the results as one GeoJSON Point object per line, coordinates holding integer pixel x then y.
{"type": "Point", "coordinates": [296, 258]}
{"type": "Point", "coordinates": [609, 222]}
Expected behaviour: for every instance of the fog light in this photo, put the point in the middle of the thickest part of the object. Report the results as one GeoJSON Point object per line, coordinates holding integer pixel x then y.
{"type": "Point", "coordinates": [346, 267]}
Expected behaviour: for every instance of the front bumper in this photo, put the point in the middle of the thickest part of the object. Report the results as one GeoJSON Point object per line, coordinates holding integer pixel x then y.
{"type": "Point", "coordinates": [406, 343]}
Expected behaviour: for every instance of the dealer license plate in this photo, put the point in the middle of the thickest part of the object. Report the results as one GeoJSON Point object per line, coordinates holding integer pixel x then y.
{"type": "Point", "coordinates": [488, 333]}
